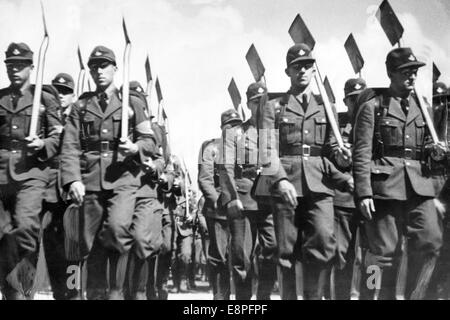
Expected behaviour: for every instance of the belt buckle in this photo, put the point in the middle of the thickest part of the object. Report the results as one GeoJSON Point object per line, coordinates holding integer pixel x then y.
{"type": "Point", "coordinates": [104, 146]}
{"type": "Point", "coordinates": [306, 150]}
{"type": "Point", "coordinates": [408, 153]}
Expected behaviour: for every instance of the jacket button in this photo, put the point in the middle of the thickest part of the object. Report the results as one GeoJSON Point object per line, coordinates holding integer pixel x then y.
{"type": "Point", "coordinates": [306, 131]}
{"type": "Point", "coordinates": [407, 136]}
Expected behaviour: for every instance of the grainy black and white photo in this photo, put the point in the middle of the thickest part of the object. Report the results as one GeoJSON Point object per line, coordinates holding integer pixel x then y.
{"type": "Point", "coordinates": [225, 150]}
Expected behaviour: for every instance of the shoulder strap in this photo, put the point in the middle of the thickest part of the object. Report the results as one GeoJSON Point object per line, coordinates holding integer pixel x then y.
{"type": "Point", "coordinates": [81, 113]}
{"type": "Point", "coordinates": [380, 112]}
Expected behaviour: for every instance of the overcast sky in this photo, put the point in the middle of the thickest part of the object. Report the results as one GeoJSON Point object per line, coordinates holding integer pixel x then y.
{"type": "Point", "coordinates": [196, 46]}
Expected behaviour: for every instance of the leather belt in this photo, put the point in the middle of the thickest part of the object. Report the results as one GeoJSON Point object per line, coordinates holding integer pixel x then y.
{"type": "Point", "coordinates": [303, 150]}
{"type": "Point", "coordinates": [12, 144]}
{"type": "Point", "coordinates": [102, 146]}
{"type": "Point", "coordinates": [405, 153]}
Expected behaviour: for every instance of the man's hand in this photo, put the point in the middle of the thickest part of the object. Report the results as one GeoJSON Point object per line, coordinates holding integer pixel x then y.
{"type": "Point", "coordinates": [35, 144]}
{"type": "Point", "coordinates": [163, 178]}
{"type": "Point", "coordinates": [288, 192]}
{"type": "Point", "coordinates": [440, 207]}
{"type": "Point", "coordinates": [234, 209]}
{"type": "Point", "coordinates": [438, 151]}
{"type": "Point", "coordinates": [350, 184]}
{"type": "Point", "coordinates": [149, 165]}
{"type": "Point", "coordinates": [77, 192]}
{"type": "Point", "coordinates": [367, 207]}
{"type": "Point", "coordinates": [344, 157]}
{"type": "Point", "coordinates": [128, 148]}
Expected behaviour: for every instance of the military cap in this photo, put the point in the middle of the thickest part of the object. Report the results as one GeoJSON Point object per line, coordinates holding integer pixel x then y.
{"type": "Point", "coordinates": [19, 51]}
{"type": "Point", "coordinates": [229, 116]}
{"type": "Point", "coordinates": [102, 53]}
{"type": "Point", "coordinates": [401, 58]}
{"type": "Point", "coordinates": [136, 86]}
{"type": "Point", "coordinates": [299, 53]}
{"type": "Point", "coordinates": [440, 89]}
{"type": "Point", "coordinates": [354, 86]}
{"type": "Point", "coordinates": [63, 80]}
{"type": "Point", "coordinates": [256, 90]}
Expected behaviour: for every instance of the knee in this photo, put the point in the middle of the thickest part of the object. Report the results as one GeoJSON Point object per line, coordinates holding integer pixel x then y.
{"type": "Point", "coordinates": [429, 242]}
{"type": "Point", "coordinates": [118, 229]}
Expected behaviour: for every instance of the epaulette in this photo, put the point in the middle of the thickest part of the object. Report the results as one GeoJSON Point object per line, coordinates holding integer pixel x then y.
{"type": "Point", "coordinates": [369, 94]}
{"type": "Point", "coordinates": [208, 142]}
{"type": "Point", "coordinates": [275, 95]}
{"type": "Point", "coordinates": [50, 89]}
{"type": "Point", "coordinates": [4, 91]}
{"type": "Point", "coordinates": [87, 95]}
{"type": "Point", "coordinates": [318, 98]}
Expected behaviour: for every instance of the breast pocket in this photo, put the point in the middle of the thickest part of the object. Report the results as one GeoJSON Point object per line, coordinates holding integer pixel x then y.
{"type": "Point", "coordinates": [88, 125]}
{"type": "Point", "coordinates": [420, 132]}
{"type": "Point", "coordinates": [289, 131]}
{"type": "Point", "coordinates": [320, 130]}
{"type": "Point", "coordinates": [391, 132]}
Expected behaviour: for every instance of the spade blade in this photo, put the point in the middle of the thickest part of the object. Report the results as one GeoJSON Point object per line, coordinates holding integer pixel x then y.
{"type": "Point", "coordinates": [255, 63]}
{"type": "Point", "coordinates": [389, 22]}
{"type": "Point", "coordinates": [234, 94]}
{"type": "Point", "coordinates": [354, 54]}
{"type": "Point", "coordinates": [330, 94]}
{"type": "Point", "coordinates": [158, 90]}
{"type": "Point", "coordinates": [300, 33]}
{"type": "Point", "coordinates": [436, 73]}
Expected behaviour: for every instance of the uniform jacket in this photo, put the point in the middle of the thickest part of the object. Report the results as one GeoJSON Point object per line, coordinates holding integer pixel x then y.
{"type": "Point", "coordinates": [149, 179]}
{"type": "Point", "coordinates": [55, 192]}
{"type": "Point", "coordinates": [16, 162]}
{"type": "Point", "coordinates": [284, 122]}
{"type": "Point", "coordinates": [89, 151]}
{"type": "Point", "coordinates": [208, 176]}
{"type": "Point", "coordinates": [238, 168]}
{"type": "Point", "coordinates": [345, 198]}
{"type": "Point", "coordinates": [377, 173]}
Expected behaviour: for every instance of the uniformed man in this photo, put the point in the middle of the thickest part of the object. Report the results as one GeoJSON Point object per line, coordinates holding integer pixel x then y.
{"type": "Point", "coordinates": [392, 186]}
{"type": "Point", "coordinates": [102, 173]}
{"type": "Point", "coordinates": [184, 239]}
{"type": "Point", "coordinates": [216, 219]}
{"type": "Point", "coordinates": [440, 284]}
{"type": "Point", "coordinates": [199, 248]}
{"type": "Point", "coordinates": [55, 205]}
{"type": "Point", "coordinates": [250, 222]}
{"type": "Point", "coordinates": [346, 220]}
{"type": "Point", "coordinates": [169, 189]}
{"type": "Point", "coordinates": [146, 226]}
{"type": "Point", "coordinates": [24, 166]}
{"type": "Point", "coordinates": [301, 177]}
